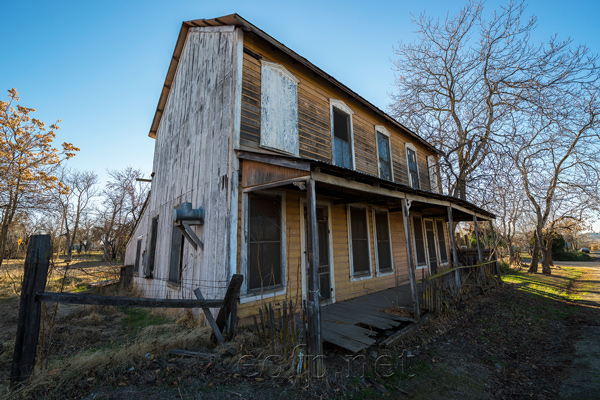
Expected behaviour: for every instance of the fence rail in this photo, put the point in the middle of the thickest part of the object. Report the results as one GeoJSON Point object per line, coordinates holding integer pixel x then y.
{"type": "Point", "coordinates": [33, 295]}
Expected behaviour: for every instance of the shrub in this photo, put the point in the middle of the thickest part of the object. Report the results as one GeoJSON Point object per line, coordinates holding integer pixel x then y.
{"type": "Point", "coordinates": [571, 256]}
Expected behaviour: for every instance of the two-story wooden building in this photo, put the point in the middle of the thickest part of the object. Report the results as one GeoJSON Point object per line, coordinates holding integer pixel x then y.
{"type": "Point", "coordinates": [248, 131]}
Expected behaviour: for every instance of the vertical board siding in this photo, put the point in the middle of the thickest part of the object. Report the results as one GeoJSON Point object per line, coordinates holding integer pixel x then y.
{"type": "Point", "coordinates": [314, 120]}
{"type": "Point", "coordinates": [191, 164]}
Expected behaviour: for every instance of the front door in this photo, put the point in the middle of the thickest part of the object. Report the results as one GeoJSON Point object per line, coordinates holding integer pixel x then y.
{"type": "Point", "coordinates": [429, 232]}
{"type": "Point", "coordinates": [323, 256]}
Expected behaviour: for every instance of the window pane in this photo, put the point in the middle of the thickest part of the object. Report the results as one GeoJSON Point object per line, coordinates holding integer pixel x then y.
{"type": "Point", "coordinates": [383, 148]}
{"type": "Point", "coordinates": [442, 241]}
{"type": "Point", "coordinates": [413, 172]}
{"type": "Point", "coordinates": [340, 125]}
{"type": "Point", "coordinates": [360, 242]}
{"type": "Point", "coordinates": [384, 256]}
{"type": "Point", "coordinates": [419, 241]}
{"type": "Point", "coordinates": [264, 242]}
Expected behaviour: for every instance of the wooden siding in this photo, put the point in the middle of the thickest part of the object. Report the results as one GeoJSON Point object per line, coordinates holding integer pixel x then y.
{"type": "Point", "coordinates": [314, 120]}
{"type": "Point", "coordinates": [192, 164]}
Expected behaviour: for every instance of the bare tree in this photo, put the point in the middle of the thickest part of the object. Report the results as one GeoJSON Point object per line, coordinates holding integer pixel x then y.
{"type": "Point", "coordinates": [460, 84]}
{"type": "Point", "coordinates": [556, 149]}
{"type": "Point", "coordinates": [79, 187]}
{"type": "Point", "coordinates": [124, 198]}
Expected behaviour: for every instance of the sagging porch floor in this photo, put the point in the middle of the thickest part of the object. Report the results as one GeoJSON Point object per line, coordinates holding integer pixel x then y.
{"type": "Point", "coordinates": [354, 324]}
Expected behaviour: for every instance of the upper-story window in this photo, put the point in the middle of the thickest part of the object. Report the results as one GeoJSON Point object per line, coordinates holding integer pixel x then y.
{"type": "Point", "coordinates": [412, 166]}
{"type": "Point", "coordinates": [279, 109]}
{"type": "Point", "coordinates": [384, 154]}
{"type": "Point", "coordinates": [341, 132]}
{"type": "Point", "coordinates": [433, 175]}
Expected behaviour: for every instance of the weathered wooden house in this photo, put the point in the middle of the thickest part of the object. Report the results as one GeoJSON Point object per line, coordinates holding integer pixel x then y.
{"type": "Point", "coordinates": [253, 135]}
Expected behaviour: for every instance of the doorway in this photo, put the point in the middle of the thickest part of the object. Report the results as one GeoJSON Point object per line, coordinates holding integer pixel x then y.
{"type": "Point", "coordinates": [324, 263]}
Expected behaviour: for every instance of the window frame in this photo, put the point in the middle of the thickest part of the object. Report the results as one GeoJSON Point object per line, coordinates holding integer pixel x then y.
{"type": "Point", "coordinates": [434, 179]}
{"type": "Point", "coordinates": [445, 236]}
{"type": "Point", "coordinates": [412, 147]}
{"type": "Point", "coordinates": [376, 244]}
{"type": "Point", "coordinates": [247, 296]}
{"type": "Point", "coordinates": [353, 276]}
{"type": "Point", "coordinates": [380, 129]}
{"type": "Point", "coordinates": [414, 242]}
{"type": "Point", "coordinates": [295, 142]}
{"type": "Point", "coordinates": [340, 106]}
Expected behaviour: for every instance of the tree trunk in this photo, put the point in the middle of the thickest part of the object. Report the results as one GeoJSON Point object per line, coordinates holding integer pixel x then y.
{"type": "Point", "coordinates": [3, 236]}
{"type": "Point", "coordinates": [533, 268]}
{"type": "Point", "coordinates": [547, 259]}
{"type": "Point", "coordinates": [511, 254]}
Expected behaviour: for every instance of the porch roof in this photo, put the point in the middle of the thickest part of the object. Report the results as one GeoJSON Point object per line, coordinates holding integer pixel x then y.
{"type": "Point", "coordinates": [347, 186]}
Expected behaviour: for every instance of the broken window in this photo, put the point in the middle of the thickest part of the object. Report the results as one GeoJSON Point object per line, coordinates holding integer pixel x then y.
{"type": "Point", "coordinates": [413, 169]}
{"type": "Point", "coordinates": [361, 256]}
{"type": "Point", "coordinates": [383, 154]}
{"type": "Point", "coordinates": [342, 137]}
{"type": "Point", "coordinates": [264, 242]}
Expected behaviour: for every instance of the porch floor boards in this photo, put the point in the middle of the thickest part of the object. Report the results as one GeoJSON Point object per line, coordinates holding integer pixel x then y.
{"type": "Point", "coordinates": [352, 324]}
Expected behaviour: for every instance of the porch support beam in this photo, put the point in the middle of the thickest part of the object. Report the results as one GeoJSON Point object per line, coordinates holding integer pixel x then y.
{"type": "Point", "coordinates": [479, 253]}
{"type": "Point", "coordinates": [411, 265]}
{"type": "Point", "coordinates": [315, 343]}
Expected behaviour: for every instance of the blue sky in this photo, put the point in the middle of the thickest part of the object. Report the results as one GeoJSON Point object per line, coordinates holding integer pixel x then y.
{"type": "Point", "coordinates": [99, 65]}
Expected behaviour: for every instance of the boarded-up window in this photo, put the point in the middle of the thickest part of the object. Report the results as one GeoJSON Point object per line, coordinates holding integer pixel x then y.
{"type": "Point", "coordinates": [361, 259]}
{"type": "Point", "coordinates": [279, 109]}
{"type": "Point", "coordinates": [433, 175]}
{"type": "Point", "coordinates": [420, 254]}
{"type": "Point", "coordinates": [149, 271]}
{"type": "Point", "coordinates": [342, 151]}
{"type": "Point", "coordinates": [413, 171]}
{"type": "Point", "coordinates": [441, 241]}
{"type": "Point", "coordinates": [384, 248]}
{"type": "Point", "coordinates": [383, 151]}
{"type": "Point", "coordinates": [264, 242]}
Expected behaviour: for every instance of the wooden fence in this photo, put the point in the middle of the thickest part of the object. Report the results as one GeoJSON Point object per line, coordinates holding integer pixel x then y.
{"type": "Point", "coordinates": [33, 295]}
{"type": "Point", "coordinates": [443, 289]}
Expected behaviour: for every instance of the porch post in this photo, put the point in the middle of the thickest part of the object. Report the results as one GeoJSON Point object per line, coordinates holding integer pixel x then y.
{"type": "Point", "coordinates": [454, 252]}
{"type": "Point", "coordinates": [479, 254]}
{"type": "Point", "coordinates": [315, 345]}
{"type": "Point", "coordinates": [411, 267]}
{"type": "Point", "coordinates": [495, 241]}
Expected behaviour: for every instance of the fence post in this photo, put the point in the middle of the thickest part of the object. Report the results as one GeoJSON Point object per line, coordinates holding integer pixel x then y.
{"type": "Point", "coordinates": [226, 317]}
{"type": "Point", "coordinates": [30, 310]}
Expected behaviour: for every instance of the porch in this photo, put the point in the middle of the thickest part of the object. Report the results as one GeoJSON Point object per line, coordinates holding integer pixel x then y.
{"type": "Point", "coordinates": [355, 324]}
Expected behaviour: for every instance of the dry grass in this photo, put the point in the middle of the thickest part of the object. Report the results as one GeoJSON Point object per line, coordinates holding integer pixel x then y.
{"type": "Point", "coordinates": [83, 272]}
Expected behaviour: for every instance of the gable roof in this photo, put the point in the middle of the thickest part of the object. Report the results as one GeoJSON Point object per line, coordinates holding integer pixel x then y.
{"type": "Point", "coordinates": [236, 20]}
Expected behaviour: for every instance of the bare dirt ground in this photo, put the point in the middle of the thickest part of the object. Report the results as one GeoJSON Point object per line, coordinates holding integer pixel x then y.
{"type": "Point", "coordinates": [536, 337]}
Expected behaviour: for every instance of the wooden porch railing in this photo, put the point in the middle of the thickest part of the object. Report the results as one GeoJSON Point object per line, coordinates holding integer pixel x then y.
{"type": "Point", "coordinates": [445, 288]}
